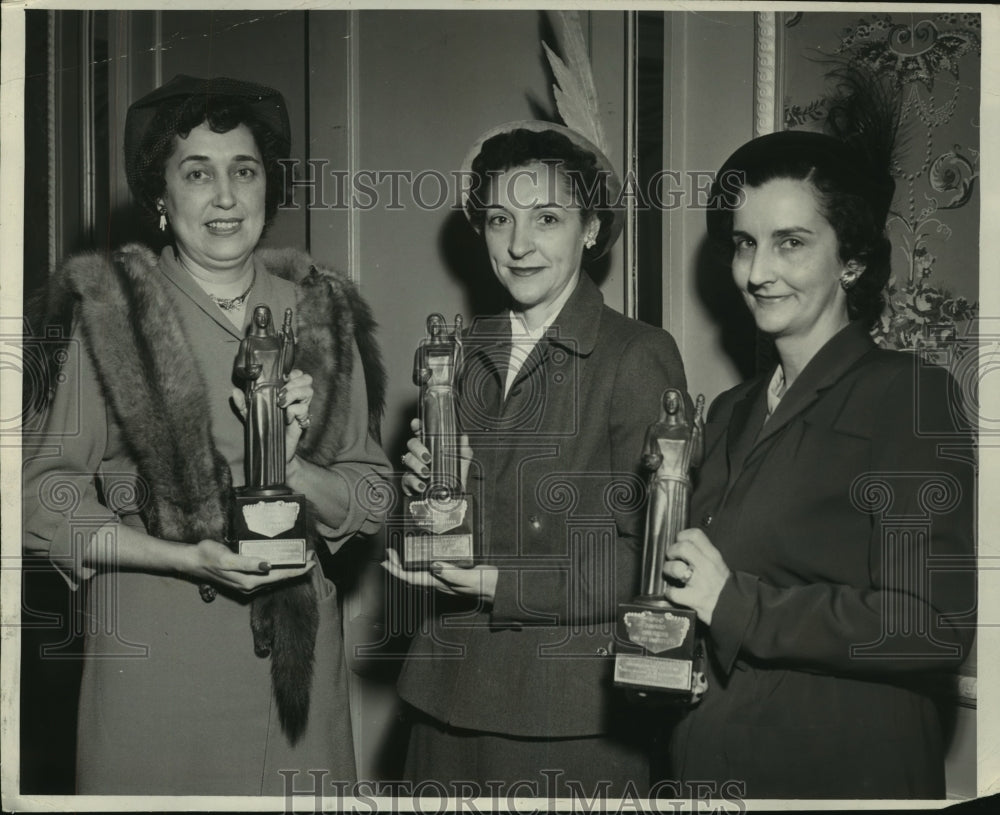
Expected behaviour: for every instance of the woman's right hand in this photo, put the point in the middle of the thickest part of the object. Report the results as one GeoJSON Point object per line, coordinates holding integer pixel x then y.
{"type": "Point", "coordinates": [214, 562]}
{"type": "Point", "coordinates": [417, 461]}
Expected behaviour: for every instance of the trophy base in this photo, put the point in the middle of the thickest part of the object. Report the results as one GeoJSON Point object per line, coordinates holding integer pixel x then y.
{"type": "Point", "coordinates": [438, 529]}
{"type": "Point", "coordinates": [655, 650]}
{"type": "Point", "coordinates": [653, 673]}
{"type": "Point", "coordinates": [270, 525]}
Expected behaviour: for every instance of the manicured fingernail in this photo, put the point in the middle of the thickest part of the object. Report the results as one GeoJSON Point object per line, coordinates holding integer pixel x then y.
{"type": "Point", "coordinates": [265, 567]}
{"type": "Point", "coordinates": [426, 457]}
{"type": "Point", "coordinates": [421, 486]}
{"type": "Point", "coordinates": [424, 471]}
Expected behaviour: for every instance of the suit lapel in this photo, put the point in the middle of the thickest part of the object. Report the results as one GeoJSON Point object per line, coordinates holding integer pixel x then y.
{"type": "Point", "coordinates": [176, 274]}
{"type": "Point", "coordinates": [829, 364]}
{"type": "Point", "coordinates": [487, 352]}
{"type": "Point", "coordinates": [744, 423]}
{"type": "Point", "coordinates": [575, 328]}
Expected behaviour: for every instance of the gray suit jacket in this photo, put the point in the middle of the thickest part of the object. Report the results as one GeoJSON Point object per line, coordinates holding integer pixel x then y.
{"type": "Point", "coordinates": [557, 482]}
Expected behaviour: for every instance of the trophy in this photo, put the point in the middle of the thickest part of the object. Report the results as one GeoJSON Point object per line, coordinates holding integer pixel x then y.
{"type": "Point", "coordinates": [269, 520]}
{"type": "Point", "coordinates": [438, 524]}
{"type": "Point", "coordinates": [656, 644]}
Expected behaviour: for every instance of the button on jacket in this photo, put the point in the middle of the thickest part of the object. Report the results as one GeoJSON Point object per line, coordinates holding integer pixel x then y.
{"type": "Point", "coordinates": [846, 520]}
{"type": "Point", "coordinates": [559, 490]}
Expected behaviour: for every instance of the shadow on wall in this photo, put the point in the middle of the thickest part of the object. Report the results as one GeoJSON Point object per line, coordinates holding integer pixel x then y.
{"type": "Point", "coordinates": [129, 224]}
{"type": "Point", "coordinates": [724, 304]}
{"type": "Point", "coordinates": [463, 253]}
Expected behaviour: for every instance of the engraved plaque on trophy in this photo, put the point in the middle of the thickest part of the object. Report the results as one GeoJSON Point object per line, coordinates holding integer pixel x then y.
{"type": "Point", "coordinates": [656, 642]}
{"type": "Point", "coordinates": [269, 520]}
{"type": "Point", "coordinates": [438, 524]}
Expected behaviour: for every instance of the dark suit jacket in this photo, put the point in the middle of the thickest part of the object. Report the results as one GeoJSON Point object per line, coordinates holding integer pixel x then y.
{"type": "Point", "coordinates": [557, 481]}
{"type": "Point", "coordinates": [846, 520]}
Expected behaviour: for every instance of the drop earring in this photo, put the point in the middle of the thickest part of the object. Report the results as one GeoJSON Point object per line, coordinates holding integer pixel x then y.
{"type": "Point", "coordinates": [163, 217]}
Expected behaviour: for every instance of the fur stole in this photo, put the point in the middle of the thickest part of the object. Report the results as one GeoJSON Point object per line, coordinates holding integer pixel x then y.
{"type": "Point", "coordinates": [151, 381]}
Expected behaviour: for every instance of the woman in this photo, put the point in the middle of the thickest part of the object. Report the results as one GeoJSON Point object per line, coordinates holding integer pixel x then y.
{"type": "Point", "coordinates": [824, 507]}
{"type": "Point", "coordinates": [510, 688]}
{"type": "Point", "coordinates": [174, 699]}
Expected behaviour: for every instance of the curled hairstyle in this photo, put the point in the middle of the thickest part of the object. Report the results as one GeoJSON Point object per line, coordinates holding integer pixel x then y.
{"type": "Point", "coordinates": [520, 147]}
{"type": "Point", "coordinates": [222, 114]}
{"type": "Point", "coordinates": [857, 221]}
{"type": "Point", "coordinates": [849, 170]}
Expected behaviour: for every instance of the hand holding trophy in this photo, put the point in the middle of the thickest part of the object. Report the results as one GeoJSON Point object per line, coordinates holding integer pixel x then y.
{"type": "Point", "coordinates": [656, 640]}
{"type": "Point", "coordinates": [439, 523]}
{"type": "Point", "coordinates": [269, 520]}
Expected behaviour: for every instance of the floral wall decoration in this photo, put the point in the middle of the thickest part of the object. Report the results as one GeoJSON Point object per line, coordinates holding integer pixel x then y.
{"type": "Point", "coordinates": [934, 61]}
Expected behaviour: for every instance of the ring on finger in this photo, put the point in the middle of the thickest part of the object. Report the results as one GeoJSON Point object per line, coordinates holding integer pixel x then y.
{"type": "Point", "coordinates": [687, 575]}
{"type": "Point", "coordinates": [304, 421]}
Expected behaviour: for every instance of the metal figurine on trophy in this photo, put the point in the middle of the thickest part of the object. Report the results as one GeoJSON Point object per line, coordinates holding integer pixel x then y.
{"type": "Point", "coordinates": [656, 643]}
{"type": "Point", "coordinates": [438, 524]}
{"type": "Point", "coordinates": [269, 520]}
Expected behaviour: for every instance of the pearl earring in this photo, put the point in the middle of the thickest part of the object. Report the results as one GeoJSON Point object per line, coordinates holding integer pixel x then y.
{"type": "Point", "coordinates": [850, 275]}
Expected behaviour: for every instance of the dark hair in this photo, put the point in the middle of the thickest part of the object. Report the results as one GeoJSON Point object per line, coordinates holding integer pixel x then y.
{"type": "Point", "coordinates": [520, 147]}
{"type": "Point", "coordinates": [222, 114]}
{"type": "Point", "coordinates": [854, 206]}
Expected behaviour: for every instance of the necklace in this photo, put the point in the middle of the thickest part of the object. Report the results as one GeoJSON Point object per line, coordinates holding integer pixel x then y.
{"type": "Point", "coordinates": [233, 303]}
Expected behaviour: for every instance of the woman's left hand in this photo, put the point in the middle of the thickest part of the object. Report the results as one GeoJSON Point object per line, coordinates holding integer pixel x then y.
{"type": "Point", "coordinates": [464, 581]}
{"type": "Point", "coordinates": [294, 398]}
{"type": "Point", "coordinates": [698, 566]}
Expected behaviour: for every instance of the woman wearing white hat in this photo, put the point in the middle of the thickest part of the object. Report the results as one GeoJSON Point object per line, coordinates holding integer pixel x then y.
{"type": "Point", "coordinates": [511, 684]}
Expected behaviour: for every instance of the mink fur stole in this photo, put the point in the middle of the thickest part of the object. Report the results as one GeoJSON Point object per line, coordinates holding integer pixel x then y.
{"type": "Point", "coordinates": [150, 379]}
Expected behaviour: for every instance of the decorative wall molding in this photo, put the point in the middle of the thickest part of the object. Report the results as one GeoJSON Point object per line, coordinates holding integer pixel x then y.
{"type": "Point", "coordinates": [87, 92]}
{"type": "Point", "coordinates": [51, 136]}
{"type": "Point", "coordinates": [631, 253]}
{"type": "Point", "coordinates": [353, 141]}
{"type": "Point", "coordinates": [766, 73]}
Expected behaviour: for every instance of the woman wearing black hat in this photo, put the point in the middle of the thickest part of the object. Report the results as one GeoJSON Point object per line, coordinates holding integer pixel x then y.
{"type": "Point", "coordinates": [131, 489]}
{"type": "Point", "coordinates": [824, 506]}
{"type": "Point", "coordinates": [510, 688]}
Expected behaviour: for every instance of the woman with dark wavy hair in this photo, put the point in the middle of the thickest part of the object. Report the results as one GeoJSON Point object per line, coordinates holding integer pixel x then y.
{"type": "Point", "coordinates": [823, 502]}
{"type": "Point", "coordinates": [206, 671]}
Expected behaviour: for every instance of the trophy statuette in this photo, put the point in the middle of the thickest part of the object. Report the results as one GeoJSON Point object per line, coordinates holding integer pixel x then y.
{"type": "Point", "coordinates": [438, 524]}
{"type": "Point", "coordinates": [269, 520]}
{"type": "Point", "coordinates": [656, 642]}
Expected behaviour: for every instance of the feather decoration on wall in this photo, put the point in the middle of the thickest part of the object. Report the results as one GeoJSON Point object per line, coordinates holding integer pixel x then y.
{"type": "Point", "coordinates": [575, 90]}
